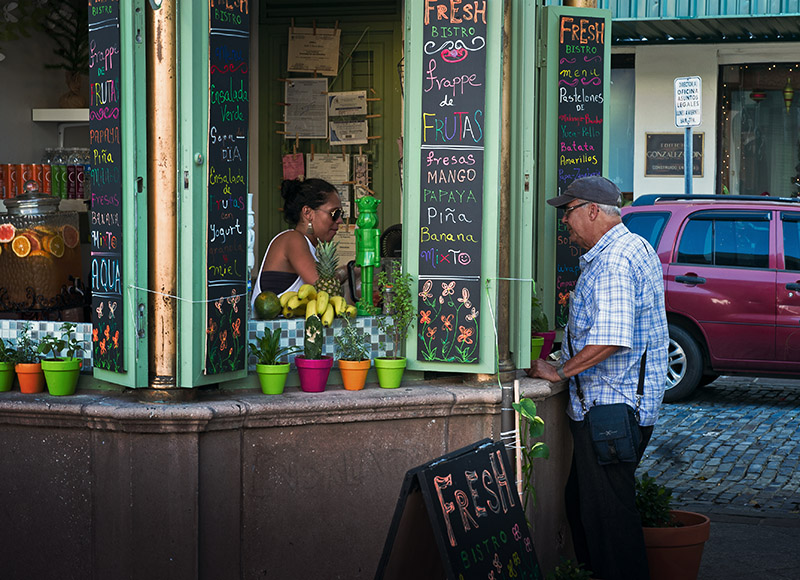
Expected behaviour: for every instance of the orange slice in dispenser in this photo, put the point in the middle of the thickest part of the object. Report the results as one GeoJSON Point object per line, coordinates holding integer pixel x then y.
{"type": "Point", "coordinates": [40, 254]}
{"type": "Point", "coordinates": [54, 245]}
{"type": "Point", "coordinates": [21, 246]}
{"type": "Point", "coordinates": [70, 234]}
{"type": "Point", "coordinates": [36, 244]}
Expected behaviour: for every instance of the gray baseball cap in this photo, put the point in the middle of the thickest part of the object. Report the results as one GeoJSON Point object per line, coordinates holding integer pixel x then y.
{"type": "Point", "coordinates": [593, 188]}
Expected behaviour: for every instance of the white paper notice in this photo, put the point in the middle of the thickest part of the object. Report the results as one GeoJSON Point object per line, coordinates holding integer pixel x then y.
{"type": "Point", "coordinates": [306, 111]}
{"type": "Point", "coordinates": [348, 132]}
{"type": "Point", "coordinates": [333, 168]}
{"type": "Point", "coordinates": [347, 103]}
{"type": "Point", "coordinates": [314, 50]}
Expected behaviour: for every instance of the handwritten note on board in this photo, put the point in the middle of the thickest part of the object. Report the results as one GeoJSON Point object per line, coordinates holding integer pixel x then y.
{"type": "Point", "coordinates": [105, 214]}
{"type": "Point", "coordinates": [581, 65]}
{"type": "Point", "coordinates": [226, 257]}
{"type": "Point", "coordinates": [451, 198]}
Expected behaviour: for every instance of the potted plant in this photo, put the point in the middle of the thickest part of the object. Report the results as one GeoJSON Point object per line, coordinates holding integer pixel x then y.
{"type": "Point", "coordinates": [28, 366]}
{"type": "Point", "coordinates": [313, 367]}
{"type": "Point", "coordinates": [542, 336]}
{"type": "Point", "coordinates": [674, 539]}
{"type": "Point", "coordinates": [352, 348]}
{"type": "Point", "coordinates": [271, 370]}
{"type": "Point", "coordinates": [394, 323]}
{"type": "Point", "coordinates": [569, 570]}
{"type": "Point", "coordinates": [7, 357]}
{"type": "Point", "coordinates": [61, 373]}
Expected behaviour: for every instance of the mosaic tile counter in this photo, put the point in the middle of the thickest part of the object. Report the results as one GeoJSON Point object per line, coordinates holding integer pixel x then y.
{"type": "Point", "coordinates": [291, 335]}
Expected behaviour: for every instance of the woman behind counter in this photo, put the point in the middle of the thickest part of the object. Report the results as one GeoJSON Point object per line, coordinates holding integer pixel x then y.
{"type": "Point", "coordinates": [312, 207]}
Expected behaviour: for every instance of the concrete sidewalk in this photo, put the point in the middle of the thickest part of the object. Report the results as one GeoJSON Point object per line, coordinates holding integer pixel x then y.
{"type": "Point", "coordinates": [746, 547]}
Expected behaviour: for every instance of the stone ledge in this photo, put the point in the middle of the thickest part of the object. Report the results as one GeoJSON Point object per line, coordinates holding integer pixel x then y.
{"type": "Point", "coordinates": [225, 411]}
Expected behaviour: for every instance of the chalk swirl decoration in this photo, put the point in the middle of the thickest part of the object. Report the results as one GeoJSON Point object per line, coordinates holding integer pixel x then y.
{"type": "Point", "coordinates": [453, 52]}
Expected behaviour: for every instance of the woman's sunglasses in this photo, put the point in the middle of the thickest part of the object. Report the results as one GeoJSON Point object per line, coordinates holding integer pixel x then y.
{"type": "Point", "coordinates": [336, 213]}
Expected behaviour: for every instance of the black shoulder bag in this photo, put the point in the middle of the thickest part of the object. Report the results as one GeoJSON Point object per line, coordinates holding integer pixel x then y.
{"type": "Point", "coordinates": [614, 428]}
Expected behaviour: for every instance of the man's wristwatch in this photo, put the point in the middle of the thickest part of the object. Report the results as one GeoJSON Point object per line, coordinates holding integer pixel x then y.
{"type": "Point", "coordinates": [560, 371]}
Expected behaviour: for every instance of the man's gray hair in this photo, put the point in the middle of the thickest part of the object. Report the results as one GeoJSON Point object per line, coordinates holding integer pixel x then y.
{"type": "Point", "coordinates": [608, 209]}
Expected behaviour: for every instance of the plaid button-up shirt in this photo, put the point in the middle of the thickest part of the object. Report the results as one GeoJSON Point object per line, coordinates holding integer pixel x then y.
{"type": "Point", "coordinates": [619, 301]}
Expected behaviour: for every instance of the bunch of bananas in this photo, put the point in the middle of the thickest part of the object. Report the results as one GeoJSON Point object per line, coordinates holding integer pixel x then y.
{"type": "Point", "coordinates": [307, 301]}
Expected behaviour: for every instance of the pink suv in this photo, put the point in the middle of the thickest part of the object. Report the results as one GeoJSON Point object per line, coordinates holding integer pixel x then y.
{"type": "Point", "coordinates": [732, 282]}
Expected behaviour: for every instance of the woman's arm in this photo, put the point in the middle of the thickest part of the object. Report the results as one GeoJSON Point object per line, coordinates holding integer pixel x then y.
{"type": "Point", "coordinates": [298, 257]}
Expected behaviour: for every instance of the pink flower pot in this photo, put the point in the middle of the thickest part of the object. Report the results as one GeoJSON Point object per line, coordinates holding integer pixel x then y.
{"type": "Point", "coordinates": [313, 373]}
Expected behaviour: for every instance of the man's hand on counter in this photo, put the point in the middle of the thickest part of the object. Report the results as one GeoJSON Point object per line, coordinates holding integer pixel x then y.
{"type": "Point", "coordinates": [541, 369]}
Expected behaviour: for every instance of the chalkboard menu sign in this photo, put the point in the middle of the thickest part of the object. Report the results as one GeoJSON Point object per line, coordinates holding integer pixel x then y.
{"type": "Point", "coordinates": [451, 174]}
{"type": "Point", "coordinates": [460, 517]}
{"type": "Point", "coordinates": [581, 65]}
{"type": "Point", "coordinates": [105, 214]}
{"type": "Point", "coordinates": [229, 89]}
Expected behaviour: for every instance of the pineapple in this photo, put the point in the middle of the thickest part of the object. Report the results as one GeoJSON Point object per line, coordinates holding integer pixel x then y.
{"type": "Point", "coordinates": [327, 262]}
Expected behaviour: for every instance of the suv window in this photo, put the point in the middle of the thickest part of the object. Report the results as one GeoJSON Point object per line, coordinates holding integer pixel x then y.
{"type": "Point", "coordinates": [791, 240]}
{"type": "Point", "coordinates": [721, 238]}
{"type": "Point", "coordinates": [649, 225]}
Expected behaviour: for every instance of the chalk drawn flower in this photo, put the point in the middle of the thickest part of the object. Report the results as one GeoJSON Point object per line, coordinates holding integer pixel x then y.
{"type": "Point", "coordinates": [223, 338]}
{"type": "Point", "coordinates": [447, 321]}
{"type": "Point", "coordinates": [115, 339]}
{"type": "Point", "coordinates": [465, 298]}
{"type": "Point", "coordinates": [447, 289]}
{"type": "Point", "coordinates": [103, 346]}
{"type": "Point", "coordinates": [99, 310]}
{"type": "Point", "coordinates": [95, 332]}
{"type": "Point", "coordinates": [234, 300]}
{"type": "Point", "coordinates": [426, 290]}
{"type": "Point", "coordinates": [236, 327]}
{"type": "Point", "coordinates": [465, 335]}
{"type": "Point", "coordinates": [107, 332]}
{"type": "Point", "coordinates": [424, 316]}
{"type": "Point", "coordinates": [432, 331]}
{"type": "Point", "coordinates": [473, 315]}
{"type": "Point", "coordinates": [218, 304]}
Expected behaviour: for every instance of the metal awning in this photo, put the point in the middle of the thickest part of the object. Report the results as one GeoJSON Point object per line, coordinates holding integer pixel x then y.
{"type": "Point", "coordinates": [706, 30]}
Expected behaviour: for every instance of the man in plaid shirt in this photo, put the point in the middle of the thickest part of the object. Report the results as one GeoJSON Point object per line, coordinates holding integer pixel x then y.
{"type": "Point", "coordinates": [616, 314]}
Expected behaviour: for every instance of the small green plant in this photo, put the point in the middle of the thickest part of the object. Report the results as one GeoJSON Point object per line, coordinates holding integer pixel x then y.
{"type": "Point", "coordinates": [352, 342]}
{"type": "Point", "coordinates": [313, 338]}
{"type": "Point", "coordinates": [654, 502]}
{"type": "Point", "coordinates": [51, 344]}
{"type": "Point", "coordinates": [569, 570]}
{"type": "Point", "coordinates": [8, 353]}
{"type": "Point", "coordinates": [397, 323]}
{"type": "Point", "coordinates": [27, 352]}
{"type": "Point", "coordinates": [535, 428]}
{"type": "Point", "coordinates": [539, 322]}
{"type": "Point", "coordinates": [268, 350]}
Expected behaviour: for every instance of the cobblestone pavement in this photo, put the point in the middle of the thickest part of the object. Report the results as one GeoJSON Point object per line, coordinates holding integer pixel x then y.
{"type": "Point", "coordinates": [733, 447]}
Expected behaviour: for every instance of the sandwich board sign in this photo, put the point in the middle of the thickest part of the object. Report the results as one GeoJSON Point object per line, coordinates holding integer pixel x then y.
{"type": "Point", "coordinates": [688, 99]}
{"type": "Point", "coordinates": [460, 517]}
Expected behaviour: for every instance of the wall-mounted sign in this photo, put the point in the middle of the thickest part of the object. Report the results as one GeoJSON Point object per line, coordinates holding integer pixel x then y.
{"type": "Point", "coordinates": [451, 188]}
{"type": "Point", "coordinates": [581, 94]}
{"type": "Point", "coordinates": [105, 214]}
{"type": "Point", "coordinates": [226, 257]}
{"type": "Point", "coordinates": [664, 154]}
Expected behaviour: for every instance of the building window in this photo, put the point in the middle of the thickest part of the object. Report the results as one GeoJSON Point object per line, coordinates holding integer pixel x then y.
{"type": "Point", "coordinates": [759, 130]}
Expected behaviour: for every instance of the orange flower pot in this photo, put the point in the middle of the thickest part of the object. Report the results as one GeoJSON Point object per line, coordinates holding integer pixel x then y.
{"type": "Point", "coordinates": [354, 373]}
{"type": "Point", "coordinates": [31, 377]}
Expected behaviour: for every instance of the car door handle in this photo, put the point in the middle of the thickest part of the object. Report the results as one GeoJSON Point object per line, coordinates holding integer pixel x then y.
{"type": "Point", "coordinates": [692, 280]}
{"type": "Point", "coordinates": [793, 286]}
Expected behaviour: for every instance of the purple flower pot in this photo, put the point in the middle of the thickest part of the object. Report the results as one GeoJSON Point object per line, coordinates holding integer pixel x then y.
{"type": "Point", "coordinates": [313, 373]}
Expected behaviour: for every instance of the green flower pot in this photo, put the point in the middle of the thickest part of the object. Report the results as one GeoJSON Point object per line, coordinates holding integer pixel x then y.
{"type": "Point", "coordinates": [61, 375]}
{"type": "Point", "coordinates": [537, 342]}
{"type": "Point", "coordinates": [6, 376]}
{"type": "Point", "coordinates": [272, 378]}
{"type": "Point", "coordinates": [390, 371]}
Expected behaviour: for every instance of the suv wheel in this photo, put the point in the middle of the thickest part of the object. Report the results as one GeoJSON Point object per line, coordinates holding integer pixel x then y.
{"type": "Point", "coordinates": [685, 365]}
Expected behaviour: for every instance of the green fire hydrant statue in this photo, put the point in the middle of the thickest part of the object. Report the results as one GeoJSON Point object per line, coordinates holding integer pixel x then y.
{"type": "Point", "coordinates": [368, 254]}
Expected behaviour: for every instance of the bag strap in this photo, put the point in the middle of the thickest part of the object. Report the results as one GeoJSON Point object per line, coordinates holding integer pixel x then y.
{"type": "Point", "coordinates": [639, 387]}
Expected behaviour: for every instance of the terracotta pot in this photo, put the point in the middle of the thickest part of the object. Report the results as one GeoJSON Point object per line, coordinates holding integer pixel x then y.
{"type": "Point", "coordinates": [676, 552]}
{"type": "Point", "coordinates": [31, 377]}
{"type": "Point", "coordinates": [354, 373]}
